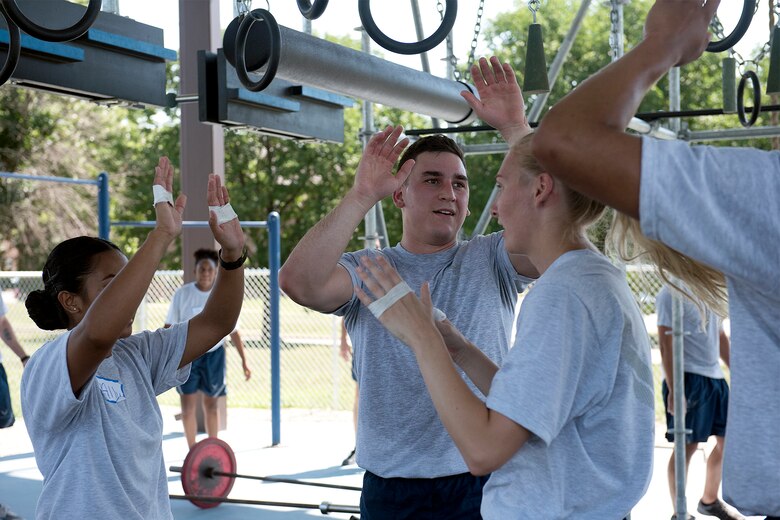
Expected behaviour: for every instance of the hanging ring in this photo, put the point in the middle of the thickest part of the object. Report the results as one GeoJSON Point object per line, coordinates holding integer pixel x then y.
{"type": "Point", "coordinates": [274, 49]}
{"type": "Point", "coordinates": [312, 10]}
{"type": "Point", "coordinates": [748, 9]}
{"type": "Point", "coordinates": [364, 9]}
{"type": "Point", "coordinates": [52, 35]}
{"type": "Point", "coordinates": [753, 77]}
{"type": "Point", "coordinates": [14, 50]}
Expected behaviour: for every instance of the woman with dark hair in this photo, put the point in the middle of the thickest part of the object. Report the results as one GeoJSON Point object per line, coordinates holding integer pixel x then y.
{"type": "Point", "coordinates": [89, 396]}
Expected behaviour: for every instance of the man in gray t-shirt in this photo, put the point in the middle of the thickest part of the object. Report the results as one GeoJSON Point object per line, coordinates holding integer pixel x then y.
{"type": "Point", "coordinates": [413, 467]}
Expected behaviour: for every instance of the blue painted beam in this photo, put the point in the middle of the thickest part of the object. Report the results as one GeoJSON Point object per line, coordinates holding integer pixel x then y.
{"type": "Point", "coordinates": [55, 51]}
{"type": "Point", "coordinates": [246, 97]}
{"type": "Point", "coordinates": [322, 96]}
{"type": "Point", "coordinates": [131, 45]}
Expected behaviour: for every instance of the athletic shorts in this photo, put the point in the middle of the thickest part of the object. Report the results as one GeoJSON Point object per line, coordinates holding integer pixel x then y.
{"type": "Point", "coordinates": [6, 411]}
{"type": "Point", "coordinates": [451, 497]}
{"type": "Point", "coordinates": [207, 374]}
{"type": "Point", "coordinates": [707, 401]}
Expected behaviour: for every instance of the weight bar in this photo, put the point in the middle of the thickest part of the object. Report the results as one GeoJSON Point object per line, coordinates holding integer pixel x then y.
{"type": "Point", "coordinates": [325, 507]}
{"type": "Point", "coordinates": [209, 472]}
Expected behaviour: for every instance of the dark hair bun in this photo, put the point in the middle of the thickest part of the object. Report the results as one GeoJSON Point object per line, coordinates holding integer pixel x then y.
{"type": "Point", "coordinates": [45, 311]}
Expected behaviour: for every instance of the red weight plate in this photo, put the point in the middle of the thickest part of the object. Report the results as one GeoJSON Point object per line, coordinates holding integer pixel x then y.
{"type": "Point", "coordinates": [206, 456]}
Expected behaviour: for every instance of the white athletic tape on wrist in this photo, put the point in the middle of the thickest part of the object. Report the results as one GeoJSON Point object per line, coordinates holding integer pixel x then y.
{"type": "Point", "coordinates": [378, 307]}
{"type": "Point", "coordinates": [161, 195]}
{"type": "Point", "coordinates": [438, 315]}
{"type": "Point", "coordinates": [224, 213]}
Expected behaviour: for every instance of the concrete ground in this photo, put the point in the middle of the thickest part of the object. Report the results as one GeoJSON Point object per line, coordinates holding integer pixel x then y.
{"type": "Point", "coordinates": [313, 446]}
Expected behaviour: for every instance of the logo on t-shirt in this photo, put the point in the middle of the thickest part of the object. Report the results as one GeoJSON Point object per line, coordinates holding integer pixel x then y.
{"type": "Point", "coordinates": [113, 391]}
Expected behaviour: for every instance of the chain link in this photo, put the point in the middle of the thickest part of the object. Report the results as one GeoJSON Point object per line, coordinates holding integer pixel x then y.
{"type": "Point", "coordinates": [243, 7]}
{"type": "Point", "coordinates": [453, 60]}
{"type": "Point", "coordinates": [744, 64]}
{"type": "Point", "coordinates": [533, 6]}
{"type": "Point", "coordinates": [613, 20]}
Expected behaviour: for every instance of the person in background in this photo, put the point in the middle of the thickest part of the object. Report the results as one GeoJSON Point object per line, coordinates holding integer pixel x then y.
{"type": "Point", "coordinates": [208, 372]}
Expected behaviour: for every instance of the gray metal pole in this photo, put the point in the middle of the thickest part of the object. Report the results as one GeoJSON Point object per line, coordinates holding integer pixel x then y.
{"type": "Point", "coordinates": [732, 133]}
{"type": "Point", "coordinates": [322, 64]}
{"type": "Point", "coordinates": [110, 6]}
{"type": "Point", "coordinates": [679, 430]}
{"type": "Point", "coordinates": [426, 67]}
{"type": "Point", "coordinates": [370, 220]}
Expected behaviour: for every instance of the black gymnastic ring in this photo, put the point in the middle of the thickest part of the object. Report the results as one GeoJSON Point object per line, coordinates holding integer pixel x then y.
{"type": "Point", "coordinates": [364, 8]}
{"type": "Point", "coordinates": [753, 77]}
{"type": "Point", "coordinates": [312, 10]}
{"type": "Point", "coordinates": [274, 43]}
{"type": "Point", "coordinates": [14, 50]}
{"type": "Point", "coordinates": [748, 9]}
{"type": "Point", "coordinates": [52, 35]}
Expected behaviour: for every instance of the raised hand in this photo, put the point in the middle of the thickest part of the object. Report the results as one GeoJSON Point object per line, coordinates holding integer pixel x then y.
{"type": "Point", "coordinates": [680, 28]}
{"type": "Point", "coordinates": [500, 102]}
{"type": "Point", "coordinates": [410, 319]}
{"type": "Point", "coordinates": [374, 179]}
{"type": "Point", "coordinates": [168, 216]}
{"type": "Point", "coordinates": [229, 234]}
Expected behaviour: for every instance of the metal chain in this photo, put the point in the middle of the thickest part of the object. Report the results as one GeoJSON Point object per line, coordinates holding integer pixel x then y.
{"type": "Point", "coordinates": [743, 64]}
{"type": "Point", "coordinates": [613, 20]}
{"type": "Point", "coordinates": [533, 6]}
{"type": "Point", "coordinates": [243, 7]}
{"type": "Point", "coordinates": [466, 76]}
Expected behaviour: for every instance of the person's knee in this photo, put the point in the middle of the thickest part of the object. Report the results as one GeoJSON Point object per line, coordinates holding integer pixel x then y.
{"type": "Point", "coordinates": [210, 404]}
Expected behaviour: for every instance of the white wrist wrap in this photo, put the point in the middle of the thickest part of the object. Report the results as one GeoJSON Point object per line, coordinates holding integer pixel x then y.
{"type": "Point", "coordinates": [385, 302]}
{"type": "Point", "coordinates": [224, 213]}
{"type": "Point", "coordinates": [161, 195]}
{"type": "Point", "coordinates": [438, 315]}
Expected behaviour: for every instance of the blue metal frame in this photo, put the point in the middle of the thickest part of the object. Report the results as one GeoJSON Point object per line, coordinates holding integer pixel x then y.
{"type": "Point", "coordinates": [103, 196]}
{"type": "Point", "coordinates": [274, 262]}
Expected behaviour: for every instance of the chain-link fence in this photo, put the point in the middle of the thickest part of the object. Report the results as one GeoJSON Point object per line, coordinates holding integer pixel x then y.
{"type": "Point", "coordinates": [313, 375]}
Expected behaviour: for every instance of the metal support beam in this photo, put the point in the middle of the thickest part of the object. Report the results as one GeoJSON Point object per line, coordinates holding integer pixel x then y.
{"type": "Point", "coordinates": [322, 64]}
{"type": "Point", "coordinates": [732, 133]}
{"type": "Point", "coordinates": [202, 146]}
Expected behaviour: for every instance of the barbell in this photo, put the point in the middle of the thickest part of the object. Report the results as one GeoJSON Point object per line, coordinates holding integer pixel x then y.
{"type": "Point", "coordinates": [209, 472]}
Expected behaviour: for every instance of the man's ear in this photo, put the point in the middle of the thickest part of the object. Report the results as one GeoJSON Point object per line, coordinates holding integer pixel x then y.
{"type": "Point", "coordinates": [398, 197]}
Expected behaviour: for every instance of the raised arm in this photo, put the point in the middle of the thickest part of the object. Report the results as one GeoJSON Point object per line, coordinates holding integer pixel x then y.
{"type": "Point", "coordinates": [582, 139]}
{"type": "Point", "coordinates": [112, 310]}
{"type": "Point", "coordinates": [220, 314]}
{"type": "Point", "coordinates": [485, 438]}
{"type": "Point", "coordinates": [311, 275]}
{"type": "Point", "coordinates": [468, 356]}
{"type": "Point", "coordinates": [500, 103]}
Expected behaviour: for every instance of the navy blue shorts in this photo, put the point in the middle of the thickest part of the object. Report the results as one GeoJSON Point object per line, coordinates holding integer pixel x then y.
{"type": "Point", "coordinates": [207, 374]}
{"type": "Point", "coordinates": [455, 497]}
{"type": "Point", "coordinates": [707, 402]}
{"type": "Point", "coordinates": [6, 411]}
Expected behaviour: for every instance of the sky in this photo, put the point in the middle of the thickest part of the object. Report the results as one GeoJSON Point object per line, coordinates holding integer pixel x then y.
{"type": "Point", "coordinates": [395, 19]}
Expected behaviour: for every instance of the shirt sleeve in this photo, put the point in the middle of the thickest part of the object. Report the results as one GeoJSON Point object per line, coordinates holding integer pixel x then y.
{"type": "Point", "coordinates": [520, 282]}
{"type": "Point", "coordinates": [717, 205]}
{"type": "Point", "coordinates": [47, 390]}
{"type": "Point", "coordinates": [545, 370]}
{"type": "Point", "coordinates": [163, 349]}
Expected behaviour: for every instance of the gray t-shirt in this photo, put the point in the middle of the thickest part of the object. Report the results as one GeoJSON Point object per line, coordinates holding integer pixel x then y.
{"type": "Point", "coordinates": [188, 301]}
{"type": "Point", "coordinates": [101, 453]}
{"type": "Point", "coordinates": [399, 432]}
{"type": "Point", "coordinates": [721, 207]}
{"type": "Point", "coordinates": [579, 379]}
{"type": "Point", "coordinates": [701, 347]}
